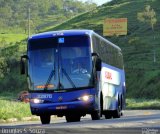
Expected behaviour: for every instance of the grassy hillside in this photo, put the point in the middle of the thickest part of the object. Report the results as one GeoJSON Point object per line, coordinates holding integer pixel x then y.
{"type": "Point", "coordinates": [14, 14]}
{"type": "Point", "coordinates": [139, 46]}
{"type": "Point", "coordinates": [11, 38]}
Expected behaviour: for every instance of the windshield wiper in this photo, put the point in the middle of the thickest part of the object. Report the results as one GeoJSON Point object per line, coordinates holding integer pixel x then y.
{"type": "Point", "coordinates": [52, 73]}
{"type": "Point", "coordinates": [49, 79]}
{"type": "Point", "coordinates": [69, 79]}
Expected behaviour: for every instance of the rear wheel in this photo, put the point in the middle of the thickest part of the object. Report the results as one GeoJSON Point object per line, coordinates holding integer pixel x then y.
{"type": "Point", "coordinates": [108, 115]}
{"type": "Point", "coordinates": [45, 119]}
{"type": "Point", "coordinates": [73, 118]}
{"type": "Point", "coordinates": [96, 115]}
{"type": "Point", "coordinates": [117, 112]}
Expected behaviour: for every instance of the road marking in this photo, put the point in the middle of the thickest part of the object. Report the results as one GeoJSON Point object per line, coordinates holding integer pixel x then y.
{"type": "Point", "coordinates": [147, 113]}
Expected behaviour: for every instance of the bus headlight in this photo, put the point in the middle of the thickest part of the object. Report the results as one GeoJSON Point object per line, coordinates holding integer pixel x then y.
{"type": "Point", "coordinates": [85, 97]}
{"type": "Point", "coordinates": [37, 101]}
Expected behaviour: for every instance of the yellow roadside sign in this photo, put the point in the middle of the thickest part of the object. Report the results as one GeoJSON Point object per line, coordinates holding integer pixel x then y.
{"type": "Point", "coordinates": [115, 26]}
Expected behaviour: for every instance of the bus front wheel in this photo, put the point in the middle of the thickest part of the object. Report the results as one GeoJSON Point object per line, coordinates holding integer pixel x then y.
{"type": "Point", "coordinates": [96, 115]}
{"type": "Point", "coordinates": [73, 118]}
{"type": "Point", "coordinates": [45, 119]}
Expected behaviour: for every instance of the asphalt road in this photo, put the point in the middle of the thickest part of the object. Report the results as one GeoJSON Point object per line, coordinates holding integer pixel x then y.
{"type": "Point", "coordinates": [132, 122]}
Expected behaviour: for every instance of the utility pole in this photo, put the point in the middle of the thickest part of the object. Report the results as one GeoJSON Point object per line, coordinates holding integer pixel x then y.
{"type": "Point", "coordinates": [154, 56]}
{"type": "Point", "coordinates": [28, 22]}
{"type": "Point", "coordinates": [154, 51]}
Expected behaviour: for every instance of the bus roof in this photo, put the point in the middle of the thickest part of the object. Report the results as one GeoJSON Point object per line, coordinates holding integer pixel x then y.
{"type": "Point", "coordinates": [61, 33]}
{"type": "Point", "coordinates": [107, 41]}
{"type": "Point", "coordinates": [70, 33]}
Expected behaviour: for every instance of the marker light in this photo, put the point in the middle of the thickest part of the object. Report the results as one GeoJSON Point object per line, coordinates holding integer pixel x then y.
{"type": "Point", "coordinates": [124, 84]}
{"type": "Point", "coordinates": [85, 97]}
{"type": "Point", "coordinates": [37, 100]}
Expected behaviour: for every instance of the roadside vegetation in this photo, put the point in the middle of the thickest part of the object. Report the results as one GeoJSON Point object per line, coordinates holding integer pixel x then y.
{"type": "Point", "coordinates": [142, 104]}
{"type": "Point", "coordinates": [11, 108]}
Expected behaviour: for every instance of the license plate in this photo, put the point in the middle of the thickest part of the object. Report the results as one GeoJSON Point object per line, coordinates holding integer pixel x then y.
{"type": "Point", "coordinates": [61, 107]}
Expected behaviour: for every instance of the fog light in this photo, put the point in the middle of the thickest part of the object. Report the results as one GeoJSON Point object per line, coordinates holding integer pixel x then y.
{"type": "Point", "coordinates": [37, 100]}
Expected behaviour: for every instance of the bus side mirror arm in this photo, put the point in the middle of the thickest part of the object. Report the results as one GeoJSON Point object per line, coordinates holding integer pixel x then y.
{"type": "Point", "coordinates": [98, 64]}
{"type": "Point", "coordinates": [22, 64]}
{"type": "Point", "coordinates": [98, 61]}
{"type": "Point", "coordinates": [95, 54]}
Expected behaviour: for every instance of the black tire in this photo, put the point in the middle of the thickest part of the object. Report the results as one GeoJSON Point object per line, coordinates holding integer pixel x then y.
{"type": "Point", "coordinates": [117, 112]}
{"type": "Point", "coordinates": [96, 115]}
{"type": "Point", "coordinates": [45, 119]}
{"type": "Point", "coordinates": [73, 118]}
{"type": "Point", "coordinates": [101, 103]}
{"type": "Point", "coordinates": [108, 115]}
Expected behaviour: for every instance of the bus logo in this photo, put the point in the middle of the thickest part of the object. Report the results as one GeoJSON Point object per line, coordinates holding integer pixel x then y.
{"type": "Point", "coordinates": [108, 75]}
{"type": "Point", "coordinates": [111, 76]}
{"type": "Point", "coordinates": [60, 98]}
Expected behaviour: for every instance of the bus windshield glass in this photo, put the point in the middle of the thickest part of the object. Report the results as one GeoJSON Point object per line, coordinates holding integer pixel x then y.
{"type": "Point", "coordinates": [75, 61]}
{"type": "Point", "coordinates": [59, 63]}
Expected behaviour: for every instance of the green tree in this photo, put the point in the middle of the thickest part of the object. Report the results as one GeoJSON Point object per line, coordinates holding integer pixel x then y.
{"type": "Point", "coordinates": [148, 16]}
{"type": "Point", "coordinates": [13, 13]}
{"type": "Point", "coordinates": [3, 42]}
{"type": "Point", "coordinates": [3, 67]}
{"type": "Point", "coordinates": [24, 25]}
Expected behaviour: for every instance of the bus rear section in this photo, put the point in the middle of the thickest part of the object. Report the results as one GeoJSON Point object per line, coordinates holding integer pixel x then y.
{"type": "Point", "coordinates": [111, 77]}
{"type": "Point", "coordinates": [113, 91]}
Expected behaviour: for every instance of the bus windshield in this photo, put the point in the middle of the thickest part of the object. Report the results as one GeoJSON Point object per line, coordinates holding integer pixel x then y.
{"type": "Point", "coordinates": [60, 63]}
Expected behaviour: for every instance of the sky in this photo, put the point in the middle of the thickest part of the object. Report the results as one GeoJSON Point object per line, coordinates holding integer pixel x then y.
{"type": "Point", "coordinates": [99, 2]}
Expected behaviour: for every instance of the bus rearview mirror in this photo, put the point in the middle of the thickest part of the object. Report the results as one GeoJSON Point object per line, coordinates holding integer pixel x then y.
{"type": "Point", "coordinates": [22, 67]}
{"type": "Point", "coordinates": [98, 64]}
{"type": "Point", "coordinates": [22, 64]}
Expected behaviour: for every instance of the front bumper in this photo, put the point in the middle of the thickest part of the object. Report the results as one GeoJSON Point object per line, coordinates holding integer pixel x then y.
{"type": "Point", "coordinates": [63, 108]}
